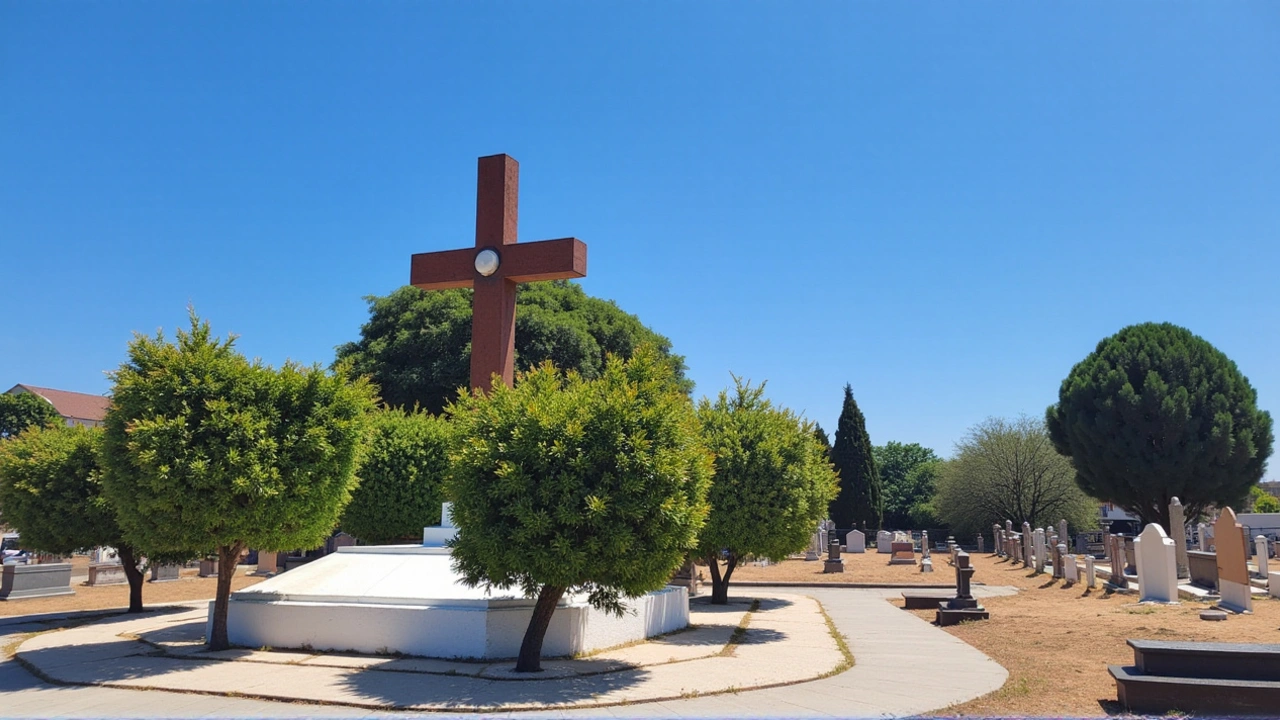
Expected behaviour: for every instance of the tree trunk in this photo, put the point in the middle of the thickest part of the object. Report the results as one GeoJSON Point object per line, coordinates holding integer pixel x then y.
{"type": "Point", "coordinates": [530, 659]}
{"type": "Point", "coordinates": [720, 583]}
{"type": "Point", "coordinates": [133, 575]}
{"type": "Point", "coordinates": [228, 557]}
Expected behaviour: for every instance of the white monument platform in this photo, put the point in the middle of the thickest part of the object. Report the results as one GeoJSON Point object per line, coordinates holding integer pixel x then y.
{"type": "Point", "coordinates": [408, 599]}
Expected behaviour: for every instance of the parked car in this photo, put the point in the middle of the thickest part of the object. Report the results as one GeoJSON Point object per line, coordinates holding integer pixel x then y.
{"type": "Point", "coordinates": [10, 551]}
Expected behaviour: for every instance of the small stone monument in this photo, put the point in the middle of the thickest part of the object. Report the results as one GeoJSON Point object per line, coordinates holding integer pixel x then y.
{"type": "Point", "coordinates": [1070, 571]}
{"type": "Point", "coordinates": [855, 541]}
{"type": "Point", "coordinates": [884, 541]}
{"type": "Point", "coordinates": [107, 573]}
{"type": "Point", "coordinates": [980, 548]}
{"type": "Point", "coordinates": [1090, 575]}
{"type": "Point", "coordinates": [1157, 565]}
{"type": "Point", "coordinates": [1063, 537]}
{"type": "Point", "coordinates": [1116, 543]}
{"type": "Point", "coordinates": [1261, 553]}
{"type": "Point", "coordinates": [268, 562]}
{"type": "Point", "coordinates": [903, 553]}
{"type": "Point", "coordinates": [995, 540]}
{"type": "Point", "coordinates": [1059, 550]}
{"type": "Point", "coordinates": [686, 576]}
{"type": "Point", "coordinates": [1233, 571]}
{"type": "Point", "coordinates": [834, 563]}
{"type": "Point", "coordinates": [1178, 526]}
{"type": "Point", "coordinates": [963, 606]}
{"type": "Point", "coordinates": [1027, 544]}
{"type": "Point", "coordinates": [1202, 536]}
{"type": "Point", "coordinates": [924, 543]}
{"type": "Point", "coordinates": [165, 573]}
{"type": "Point", "coordinates": [1040, 549]}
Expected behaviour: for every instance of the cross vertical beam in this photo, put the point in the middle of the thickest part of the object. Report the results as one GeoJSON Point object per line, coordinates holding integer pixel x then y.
{"type": "Point", "coordinates": [493, 309]}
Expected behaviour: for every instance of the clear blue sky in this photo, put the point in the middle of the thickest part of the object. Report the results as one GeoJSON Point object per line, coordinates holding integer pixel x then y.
{"type": "Point", "coordinates": [945, 204]}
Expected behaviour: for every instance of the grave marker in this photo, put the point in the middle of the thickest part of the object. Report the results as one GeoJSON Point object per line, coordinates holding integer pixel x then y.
{"type": "Point", "coordinates": [856, 541]}
{"type": "Point", "coordinates": [1233, 572]}
{"type": "Point", "coordinates": [1178, 526]}
{"type": "Point", "coordinates": [1157, 565]}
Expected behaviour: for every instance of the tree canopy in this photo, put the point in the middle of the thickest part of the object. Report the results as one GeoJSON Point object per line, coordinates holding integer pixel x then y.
{"type": "Point", "coordinates": [1008, 470]}
{"type": "Point", "coordinates": [205, 450]}
{"type": "Point", "coordinates": [570, 484]}
{"type": "Point", "coordinates": [1155, 412]}
{"type": "Point", "coordinates": [401, 479]}
{"type": "Point", "coordinates": [903, 491]}
{"type": "Point", "coordinates": [19, 411]}
{"type": "Point", "coordinates": [772, 481]}
{"type": "Point", "coordinates": [51, 493]}
{"type": "Point", "coordinates": [859, 504]}
{"type": "Point", "coordinates": [416, 345]}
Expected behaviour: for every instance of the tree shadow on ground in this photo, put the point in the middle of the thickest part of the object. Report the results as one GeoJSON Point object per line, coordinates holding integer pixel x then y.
{"type": "Point", "coordinates": [447, 692]}
{"type": "Point", "coordinates": [738, 603]}
{"type": "Point", "coordinates": [79, 617]}
{"type": "Point", "coordinates": [761, 636]}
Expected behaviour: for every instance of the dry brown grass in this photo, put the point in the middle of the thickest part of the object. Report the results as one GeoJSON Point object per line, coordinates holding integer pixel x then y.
{"type": "Point", "coordinates": [188, 587]}
{"type": "Point", "coordinates": [1057, 641]}
{"type": "Point", "coordinates": [870, 567]}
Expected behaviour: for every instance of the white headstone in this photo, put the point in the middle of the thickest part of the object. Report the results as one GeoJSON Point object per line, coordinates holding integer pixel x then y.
{"type": "Point", "coordinates": [1090, 576]}
{"type": "Point", "coordinates": [1040, 548]}
{"type": "Point", "coordinates": [1070, 571]}
{"type": "Point", "coordinates": [884, 541]}
{"type": "Point", "coordinates": [1260, 553]}
{"type": "Point", "coordinates": [1273, 584]}
{"type": "Point", "coordinates": [1157, 565]}
{"type": "Point", "coordinates": [1027, 549]}
{"type": "Point", "coordinates": [856, 541]}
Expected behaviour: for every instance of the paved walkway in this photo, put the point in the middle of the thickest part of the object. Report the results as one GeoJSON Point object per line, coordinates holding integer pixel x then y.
{"type": "Point", "coordinates": [889, 646]}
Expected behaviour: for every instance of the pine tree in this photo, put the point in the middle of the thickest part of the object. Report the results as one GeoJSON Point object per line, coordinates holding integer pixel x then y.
{"type": "Point", "coordinates": [821, 436]}
{"type": "Point", "coordinates": [859, 503]}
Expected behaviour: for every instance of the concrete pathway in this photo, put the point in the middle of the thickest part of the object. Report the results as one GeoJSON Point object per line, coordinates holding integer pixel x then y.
{"type": "Point", "coordinates": [890, 647]}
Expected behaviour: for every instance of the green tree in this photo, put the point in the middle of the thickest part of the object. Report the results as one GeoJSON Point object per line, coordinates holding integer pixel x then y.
{"type": "Point", "coordinates": [207, 450]}
{"type": "Point", "coordinates": [1008, 470]}
{"type": "Point", "coordinates": [924, 478]}
{"type": "Point", "coordinates": [1155, 412]}
{"type": "Point", "coordinates": [901, 491]}
{"type": "Point", "coordinates": [401, 479]}
{"type": "Point", "coordinates": [1262, 502]}
{"type": "Point", "coordinates": [859, 504]}
{"type": "Point", "coordinates": [568, 484]}
{"type": "Point", "coordinates": [416, 345]}
{"type": "Point", "coordinates": [19, 411]}
{"type": "Point", "coordinates": [821, 436]}
{"type": "Point", "coordinates": [772, 482]}
{"type": "Point", "coordinates": [50, 489]}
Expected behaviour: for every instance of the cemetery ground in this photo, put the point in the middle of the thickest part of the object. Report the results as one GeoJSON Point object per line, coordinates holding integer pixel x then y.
{"type": "Point", "coordinates": [1056, 640]}
{"type": "Point", "coordinates": [116, 597]}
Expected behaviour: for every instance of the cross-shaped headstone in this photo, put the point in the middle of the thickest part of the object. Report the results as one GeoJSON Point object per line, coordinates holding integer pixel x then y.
{"type": "Point", "coordinates": [494, 267]}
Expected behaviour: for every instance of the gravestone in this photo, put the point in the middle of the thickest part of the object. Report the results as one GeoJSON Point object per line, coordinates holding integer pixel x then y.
{"type": "Point", "coordinates": [1116, 545]}
{"type": "Point", "coordinates": [903, 553]}
{"type": "Point", "coordinates": [856, 541]}
{"type": "Point", "coordinates": [1027, 542]}
{"type": "Point", "coordinates": [1090, 574]}
{"type": "Point", "coordinates": [268, 562]}
{"type": "Point", "coordinates": [1063, 537]}
{"type": "Point", "coordinates": [1178, 526]}
{"type": "Point", "coordinates": [924, 544]}
{"type": "Point", "coordinates": [1202, 536]}
{"type": "Point", "coordinates": [686, 576]}
{"type": "Point", "coordinates": [1203, 568]}
{"type": "Point", "coordinates": [1130, 556]}
{"type": "Point", "coordinates": [995, 540]}
{"type": "Point", "coordinates": [165, 573]}
{"type": "Point", "coordinates": [980, 548]}
{"type": "Point", "coordinates": [1233, 572]}
{"type": "Point", "coordinates": [107, 573]}
{"type": "Point", "coordinates": [834, 563]}
{"type": "Point", "coordinates": [1273, 584]}
{"type": "Point", "coordinates": [815, 542]}
{"type": "Point", "coordinates": [963, 606]}
{"type": "Point", "coordinates": [1070, 571]}
{"type": "Point", "coordinates": [1039, 548]}
{"type": "Point", "coordinates": [884, 541]}
{"type": "Point", "coordinates": [1157, 565]}
{"type": "Point", "coordinates": [1059, 550]}
{"type": "Point", "coordinates": [1260, 552]}
{"type": "Point", "coordinates": [208, 568]}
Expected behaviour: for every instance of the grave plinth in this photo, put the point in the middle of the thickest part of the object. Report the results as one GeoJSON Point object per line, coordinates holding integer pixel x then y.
{"type": "Point", "coordinates": [208, 568]}
{"type": "Point", "coordinates": [834, 563]}
{"type": "Point", "coordinates": [165, 573]}
{"type": "Point", "coordinates": [107, 573]}
{"type": "Point", "coordinates": [903, 553]}
{"type": "Point", "coordinates": [33, 581]}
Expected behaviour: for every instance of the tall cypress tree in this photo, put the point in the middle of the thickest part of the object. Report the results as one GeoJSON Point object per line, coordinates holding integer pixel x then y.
{"type": "Point", "coordinates": [859, 503]}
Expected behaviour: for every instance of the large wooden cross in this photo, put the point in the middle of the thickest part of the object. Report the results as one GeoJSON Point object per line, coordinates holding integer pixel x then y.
{"type": "Point", "coordinates": [493, 268]}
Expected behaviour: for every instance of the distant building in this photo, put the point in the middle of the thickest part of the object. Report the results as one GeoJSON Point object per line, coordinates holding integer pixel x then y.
{"type": "Point", "coordinates": [75, 408]}
{"type": "Point", "coordinates": [1270, 487]}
